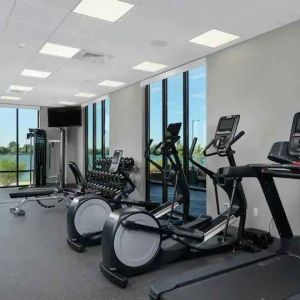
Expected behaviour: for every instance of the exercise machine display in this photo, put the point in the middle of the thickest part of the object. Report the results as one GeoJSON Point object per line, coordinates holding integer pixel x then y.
{"type": "Point", "coordinates": [134, 241]}
{"type": "Point", "coordinates": [271, 274]}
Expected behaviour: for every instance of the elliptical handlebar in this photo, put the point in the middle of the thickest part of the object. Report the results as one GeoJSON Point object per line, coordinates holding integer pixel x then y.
{"type": "Point", "coordinates": [148, 157]}
{"type": "Point", "coordinates": [235, 139]}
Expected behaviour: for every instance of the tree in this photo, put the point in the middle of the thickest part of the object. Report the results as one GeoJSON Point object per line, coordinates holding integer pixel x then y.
{"type": "Point", "coordinates": [12, 147]}
{"type": "Point", "coordinates": [4, 150]}
{"type": "Point", "coordinates": [7, 179]}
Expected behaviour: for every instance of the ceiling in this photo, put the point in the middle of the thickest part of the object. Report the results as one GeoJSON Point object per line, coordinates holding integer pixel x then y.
{"type": "Point", "coordinates": [26, 25]}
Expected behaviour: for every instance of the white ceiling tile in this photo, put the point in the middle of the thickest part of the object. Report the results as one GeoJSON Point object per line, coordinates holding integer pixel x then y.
{"type": "Point", "coordinates": [39, 15]}
{"type": "Point", "coordinates": [68, 5]}
{"type": "Point", "coordinates": [35, 22]}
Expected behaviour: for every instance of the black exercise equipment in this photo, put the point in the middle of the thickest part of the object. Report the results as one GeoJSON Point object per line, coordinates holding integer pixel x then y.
{"type": "Point", "coordinates": [38, 191]}
{"type": "Point", "coordinates": [272, 273]}
{"type": "Point", "coordinates": [134, 241]}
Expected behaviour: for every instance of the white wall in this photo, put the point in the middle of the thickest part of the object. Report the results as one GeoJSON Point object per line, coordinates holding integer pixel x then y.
{"type": "Point", "coordinates": [127, 122]}
{"type": "Point", "coordinates": [259, 80]}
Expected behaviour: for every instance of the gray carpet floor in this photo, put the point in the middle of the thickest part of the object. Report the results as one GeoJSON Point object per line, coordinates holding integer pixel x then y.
{"type": "Point", "coordinates": [37, 264]}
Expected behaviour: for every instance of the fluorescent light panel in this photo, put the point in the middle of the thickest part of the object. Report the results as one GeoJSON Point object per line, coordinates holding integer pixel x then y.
{"type": "Point", "coordinates": [149, 66]}
{"type": "Point", "coordinates": [59, 50]}
{"type": "Point", "coordinates": [10, 98]}
{"type": "Point", "coordinates": [214, 38]}
{"type": "Point", "coordinates": [20, 88]}
{"type": "Point", "coordinates": [107, 10]}
{"type": "Point", "coordinates": [111, 83]}
{"type": "Point", "coordinates": [85, 95]}
{"type": "Point", "coordinates": [35, 73]}
{"type": "Point", "coordinates": [67, 103]}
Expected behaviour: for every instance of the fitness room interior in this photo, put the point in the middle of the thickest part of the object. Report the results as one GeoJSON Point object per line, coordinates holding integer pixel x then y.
{"type": "Point", "coordinates": [149, 149]}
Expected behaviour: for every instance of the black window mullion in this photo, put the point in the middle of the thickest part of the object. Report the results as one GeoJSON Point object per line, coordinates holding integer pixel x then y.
{"type": "Point", "coordinates": [186, 123]}
{"type": "Point", "coordinates": [103, 128]}
{"type": "Point", "coordinates": [164, 127]}
{"type": "Point", "coordinates": [94, 135]}
{"type": "Point", "coordinates": [86, 138]}
{"type": "Point", "coordinates": [17, 142]}
{"type": "Point", "coordinates": [147, 136]}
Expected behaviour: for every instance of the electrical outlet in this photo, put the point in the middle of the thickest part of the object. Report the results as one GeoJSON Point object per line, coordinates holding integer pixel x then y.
{"type": "Point", "coordinates": [255, 211]}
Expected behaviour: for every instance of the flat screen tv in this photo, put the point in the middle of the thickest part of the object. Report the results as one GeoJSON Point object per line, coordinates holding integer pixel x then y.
{"type": "Point", "coordinates": [64, 116]}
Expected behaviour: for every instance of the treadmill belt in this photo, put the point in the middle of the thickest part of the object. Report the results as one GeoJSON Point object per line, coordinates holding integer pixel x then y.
{"type": "Point", "coordinates": [276, 278]}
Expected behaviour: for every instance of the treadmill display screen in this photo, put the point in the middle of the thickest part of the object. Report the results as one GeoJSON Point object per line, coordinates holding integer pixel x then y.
{"type": "Point", "coordinates": [226, 124]}
{"type": "Point", "coordinates": [115, 161]}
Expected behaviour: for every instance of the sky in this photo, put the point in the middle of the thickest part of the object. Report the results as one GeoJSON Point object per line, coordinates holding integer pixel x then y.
{"type": "Point", "coordinates": [27, 119]}
{"type": "Point", "coordinates": [197, 105]}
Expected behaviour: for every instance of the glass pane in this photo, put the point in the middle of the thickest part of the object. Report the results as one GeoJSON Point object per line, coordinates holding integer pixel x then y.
{"type": "Point", "coordinates": [90, 137]}
{"type": "Point", "coordinates": [8, 146]}
{"type": "Point", "coordinates": [28, 118]}
{"type": "Point", "coordinates": [107, 122]}
{"type": "Point", "coordinates": [99, 130]}
{"type": "Point", "coordinates": [175, 114]}
{"type": "Point", "coordinates": [8, 179]}
{"type": "Point", "coordinates": [197, 128]}
{"type": "Point", "coordinates": [155, 127]}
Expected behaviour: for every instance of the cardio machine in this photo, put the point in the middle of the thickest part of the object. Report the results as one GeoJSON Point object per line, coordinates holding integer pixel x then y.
{"type": "Point", "coordinates": [134, 241]}
{"type": "Point", "coordinates": [108, 189]}
{"type": "Point", "coordinates": [270, 274]}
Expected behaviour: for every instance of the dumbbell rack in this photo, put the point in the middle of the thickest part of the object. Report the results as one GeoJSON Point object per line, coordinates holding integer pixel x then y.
{"type": "Point", "coordinates": [111, 185]}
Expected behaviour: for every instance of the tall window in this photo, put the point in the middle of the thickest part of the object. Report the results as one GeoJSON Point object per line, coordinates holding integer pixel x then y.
{"type": "Point", "coordinates": [156, 133]}
{"type": "Point", "coordinates": [97, 132]}
{"type": "Point", "coordinates": [14, 149]}
{"type": "Point", "coordinates": [180, 98]}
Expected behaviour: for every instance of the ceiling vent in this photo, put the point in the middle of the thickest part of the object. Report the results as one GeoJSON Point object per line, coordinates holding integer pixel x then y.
{"type": "Point", "coordinates": [92, 57]}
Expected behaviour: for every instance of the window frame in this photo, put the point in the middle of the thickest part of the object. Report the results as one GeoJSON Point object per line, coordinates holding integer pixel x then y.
{"type": "Point", "coordinates": [94, 134]}
{"type": "Point", "coordinates": [186, 133]}
{"type": "Point", "coordinates": [17, 171]}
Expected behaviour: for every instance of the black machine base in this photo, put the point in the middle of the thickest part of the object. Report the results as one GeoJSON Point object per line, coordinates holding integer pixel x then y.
{"type": "Point", "coordinates": [75, 246]}
{"type": "Point", "coordinates": [115, 277]}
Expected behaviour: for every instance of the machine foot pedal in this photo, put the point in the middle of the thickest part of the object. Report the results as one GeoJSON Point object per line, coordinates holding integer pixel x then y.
{"type": "Point", "coordinates": [75, 246]}
{"type": "Point", "coordinates": [115, 277]}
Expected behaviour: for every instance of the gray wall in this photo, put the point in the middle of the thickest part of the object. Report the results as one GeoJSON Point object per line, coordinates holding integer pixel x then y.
{"type": "Point", "coordinates": [74, 146]}
{"type": "Point", "coordinates": [259, 80]}
{"type": "Point", "coordinates": [127, 128]}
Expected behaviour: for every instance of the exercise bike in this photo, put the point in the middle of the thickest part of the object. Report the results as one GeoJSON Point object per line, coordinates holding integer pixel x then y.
{"type": "Point", "coordinates": [134, 240]}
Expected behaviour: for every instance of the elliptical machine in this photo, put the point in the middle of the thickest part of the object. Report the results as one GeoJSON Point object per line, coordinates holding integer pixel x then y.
{"type": "Point", "coordinates": [134, 241]}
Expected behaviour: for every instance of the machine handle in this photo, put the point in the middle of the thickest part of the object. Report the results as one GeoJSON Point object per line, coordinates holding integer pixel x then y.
{"type": "Point", "coordinates": [207, 147]}
{"type": "Point", "coordinates": [235, 139]}
{"type": "Point", "coordinates": [156, 148]}
{"type": "Point", "coordinates": [192, 149]}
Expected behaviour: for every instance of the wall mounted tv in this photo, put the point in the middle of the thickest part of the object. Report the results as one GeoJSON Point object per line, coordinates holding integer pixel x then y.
{"type": "Point", "coordinates": [64, 116]}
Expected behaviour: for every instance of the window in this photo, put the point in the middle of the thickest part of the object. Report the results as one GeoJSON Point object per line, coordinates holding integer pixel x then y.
{"type": "Point", "coordinates": [156, 133]}
{"type": "Point", "coordinates": [97, 132]}
{"type": "Point", "coordinates": [180, 98]}
{"type": "Point", "coordinates": [14, 149]}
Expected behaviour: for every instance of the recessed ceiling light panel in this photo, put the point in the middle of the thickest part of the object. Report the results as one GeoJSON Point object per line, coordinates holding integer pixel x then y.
{"type": "Point", "coordinates": [59, 50]}
{"type": "Point", "coordinates": [214, 38]}
{"type": "Point", "coordinates": [68, 103]}
{"type": "Point", "coordinates": [10, 98]}
{"type": "Point", "coordinates": [85, 95]}
{"type": "Point", "coordinates": [149, 66]}
{"type": "Point", "coordinates": [111, 83]}
{"type": "Point", "coordinates": [107, 10]}
{"type": "Point", "coordinates": [20, 88]}
{"type": "Point", "coordinates": [35, 73]}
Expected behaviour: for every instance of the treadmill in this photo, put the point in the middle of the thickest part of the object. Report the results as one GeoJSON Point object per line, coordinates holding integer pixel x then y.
{"type": "Point", "coordinates": [272, 274]}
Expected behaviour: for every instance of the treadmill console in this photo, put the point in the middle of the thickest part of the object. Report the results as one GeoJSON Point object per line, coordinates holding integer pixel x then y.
{"type": "Point", "coordinates": [226, 130]}
{"type": "Point", "coordinates": [115, 161]}
{"type": "Point", "coordinates": [172, 132]}
{"type": "Point", "coordinates": [294, 144]}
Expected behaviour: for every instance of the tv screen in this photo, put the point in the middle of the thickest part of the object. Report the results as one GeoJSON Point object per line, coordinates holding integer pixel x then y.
{"type": "Point", "coordinates": [64, 116]}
